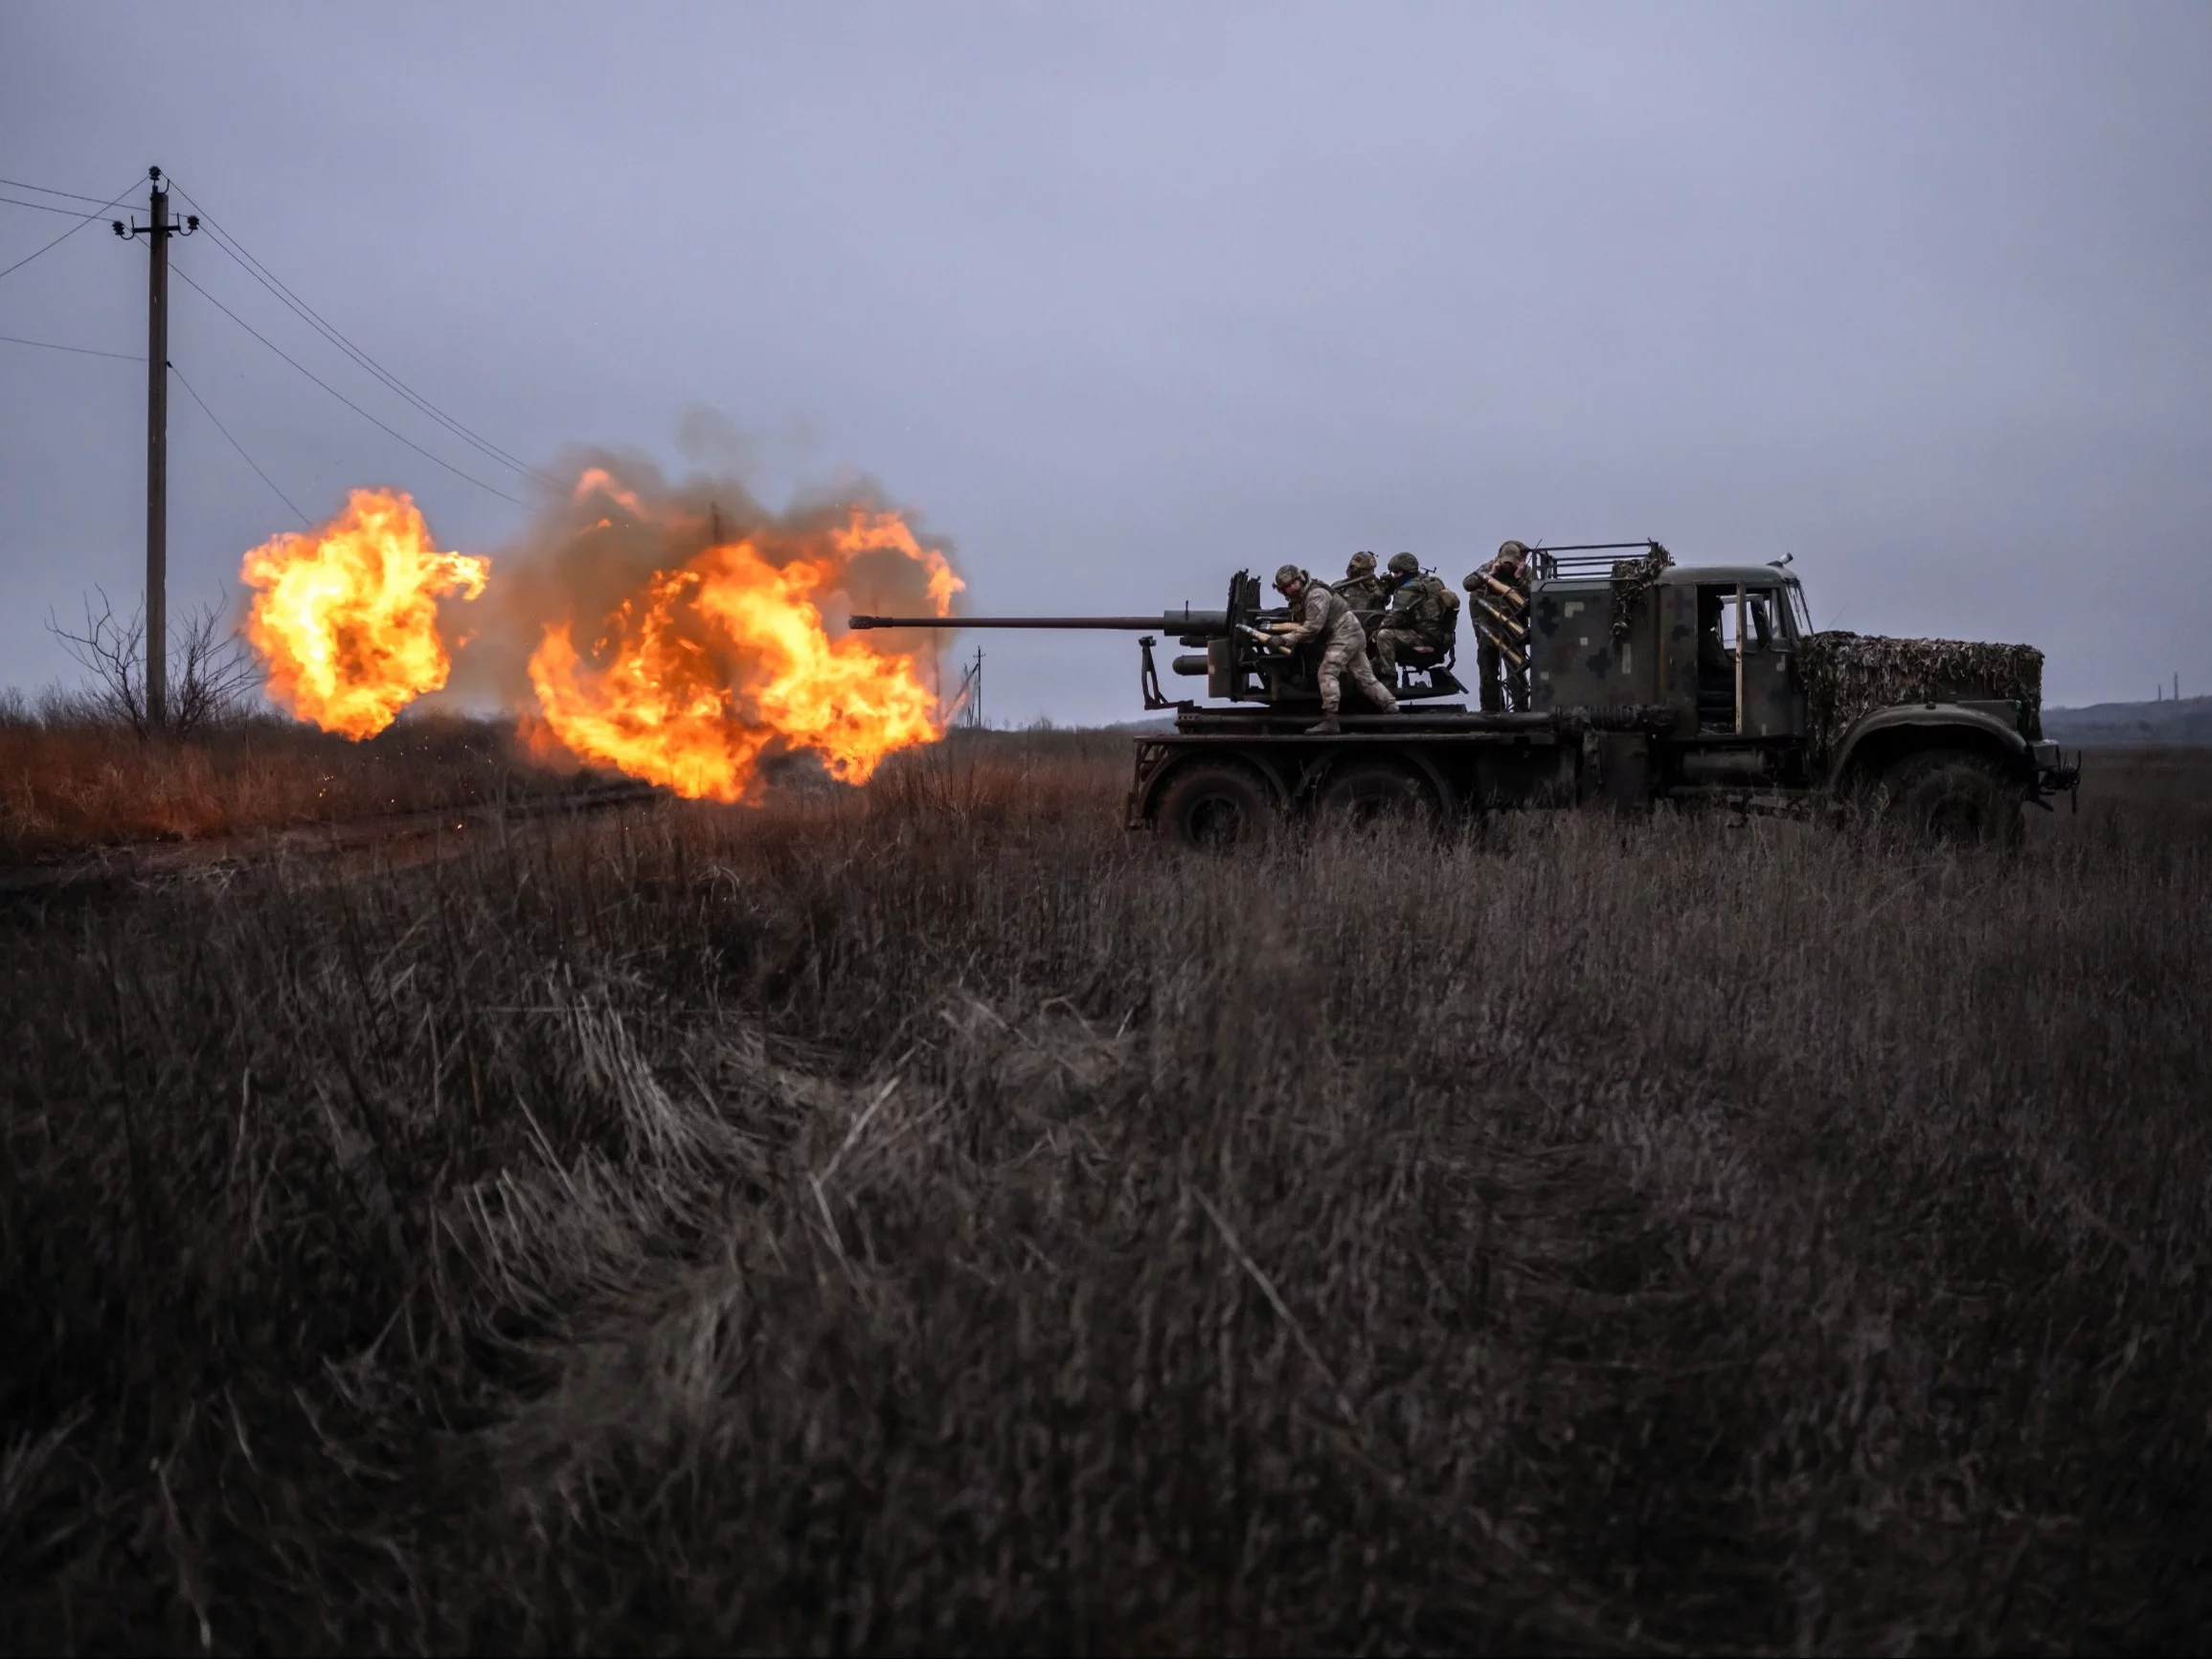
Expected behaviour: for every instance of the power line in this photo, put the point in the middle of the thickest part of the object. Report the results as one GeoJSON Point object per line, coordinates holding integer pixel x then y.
{"type": "Point", "coordinates": [340, 395]}
{"type": "Point", "coordinates": [49, 191]}
{"type": "Point", "coordinates": [80, 351]}
{"type": "Point", "coordinates": [268, 279]}
{"type": "Point", "coordinates": [46, 208]}
{"type": "Point", "coordinates": [237, 445]}
{"type": "Point", "coordinates": [72, 229]}
{"type": "Point", "coordinates": [307, 314]}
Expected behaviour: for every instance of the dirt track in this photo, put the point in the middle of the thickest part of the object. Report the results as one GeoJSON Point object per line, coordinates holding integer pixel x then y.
{"type": "Point", "coordinates": [397, 837]}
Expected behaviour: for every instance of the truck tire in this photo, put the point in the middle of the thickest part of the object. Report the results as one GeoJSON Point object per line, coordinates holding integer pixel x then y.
{"type": "Point", "coordinates": [1363, 793]}
{"type": "Point", "coordinates": [1214, 804]}
{"type": "Point", "coordinates": [1955, 796]}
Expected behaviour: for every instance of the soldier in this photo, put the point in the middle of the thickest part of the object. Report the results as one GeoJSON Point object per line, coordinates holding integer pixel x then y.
{"type": "Point", "coordinates": [1361, 589]}
{"type": "Point", "coordinates": [1501, 627]}
{"type": "Point", "coordinates": [1321, 615]}
{"type": "Point", "coordinates": [1422, 613]}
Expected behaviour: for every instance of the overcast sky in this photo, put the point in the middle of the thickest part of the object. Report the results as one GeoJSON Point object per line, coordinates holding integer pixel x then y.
{"type": "Point", "coordinates": [1122, 298]}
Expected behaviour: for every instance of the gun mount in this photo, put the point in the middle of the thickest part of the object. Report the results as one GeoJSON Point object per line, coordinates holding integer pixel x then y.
{"type": "Point", "coordinates": [1238, 660]}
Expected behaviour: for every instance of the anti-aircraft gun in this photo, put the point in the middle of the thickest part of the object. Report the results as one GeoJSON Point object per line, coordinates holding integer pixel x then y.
{"type": "Point", "coordinates": [1230, 650]}
{"type": "Point", "coordinates": [1648, 680]}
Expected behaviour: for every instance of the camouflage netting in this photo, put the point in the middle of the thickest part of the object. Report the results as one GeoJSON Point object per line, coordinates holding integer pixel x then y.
{"type": "Point", "coordinates": [1847, 676]}
{"type": "Point", "coordinates": [1632, 580]}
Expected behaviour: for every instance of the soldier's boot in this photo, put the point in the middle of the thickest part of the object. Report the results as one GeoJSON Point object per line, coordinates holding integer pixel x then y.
{"type": "Point", "coordinates": [1327, 726]}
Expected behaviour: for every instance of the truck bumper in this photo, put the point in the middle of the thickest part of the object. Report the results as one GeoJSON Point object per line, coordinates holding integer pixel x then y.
{"type": "Point", "coordinates": [2054, 772]}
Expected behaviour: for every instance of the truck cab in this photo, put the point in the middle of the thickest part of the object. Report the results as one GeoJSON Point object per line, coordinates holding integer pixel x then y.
{"type": "Point", "coordinates": [1754, 701]}
{"type": "Point", "coordinates": [1715, 645]}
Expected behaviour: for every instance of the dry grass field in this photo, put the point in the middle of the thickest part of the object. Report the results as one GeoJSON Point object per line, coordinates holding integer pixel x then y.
{"type": "Point", "coordinates": [69, 781]}
{"type": "Point", "coordinates": [926, 1217]}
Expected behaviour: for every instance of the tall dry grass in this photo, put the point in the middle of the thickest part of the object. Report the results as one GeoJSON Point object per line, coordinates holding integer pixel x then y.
{"type": "Point", "coordinates": [70, 778]}
{"type": "Point", "coordinates": [924, 1218]}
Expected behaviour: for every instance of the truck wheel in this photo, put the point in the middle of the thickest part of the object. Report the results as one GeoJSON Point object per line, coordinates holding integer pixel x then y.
{"type": "Point", "coordinates": [1955, 796]}
{"type": "Point", "coordinates": [1214, 804]}
{"type": "Point", "coordinates": [1371, 791]}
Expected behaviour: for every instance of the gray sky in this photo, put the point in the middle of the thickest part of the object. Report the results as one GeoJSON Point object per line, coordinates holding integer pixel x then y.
{"type": "Point", "coordinates": [1122, 298]}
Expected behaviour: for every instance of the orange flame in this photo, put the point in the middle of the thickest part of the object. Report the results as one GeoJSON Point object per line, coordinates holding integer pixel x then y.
{"type": "Point", "coordinates": [876, 532]}
{"type": "Point", "coordinates": [726, 656]}
{"type": "Point", "coordinates": [598, 481]}
{"type": "Point", "coordinates": [345, 617]}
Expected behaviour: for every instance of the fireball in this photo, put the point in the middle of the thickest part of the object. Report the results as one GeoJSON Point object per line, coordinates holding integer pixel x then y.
{"type": "Point", "coordinates": [696, 679]}
{"type": "Point", "coordinates": [345, 617]}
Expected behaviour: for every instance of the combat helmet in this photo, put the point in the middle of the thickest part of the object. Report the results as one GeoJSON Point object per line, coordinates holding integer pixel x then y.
{"type": "Point", "coordinates": [1287, 577]}
{"type": "Point", "coordinates": [1515, 551]}
{"type": "Point", "coordinates": [1359, 565]}
{"type": "Point", "coordinates": [1405, 565]}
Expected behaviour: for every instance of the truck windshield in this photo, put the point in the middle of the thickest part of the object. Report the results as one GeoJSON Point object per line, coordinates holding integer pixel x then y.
{"type": "Point", "coordinates": [1800, 619]}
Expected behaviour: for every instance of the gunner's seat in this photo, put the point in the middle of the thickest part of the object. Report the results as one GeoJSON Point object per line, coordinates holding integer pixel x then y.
{"type": "Point", "coordinates": [1426, 671]}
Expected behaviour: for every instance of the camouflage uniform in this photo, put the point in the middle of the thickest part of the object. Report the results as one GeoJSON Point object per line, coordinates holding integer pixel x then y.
{"type": "Point", "coordinates": [1361, 589]}
{"type": "Point", "coordinates": [1510, 566]}
{"type": "Point", "coordinates": [1422, 613]}
{"type": "Point", "coordinates": [1323, 615]}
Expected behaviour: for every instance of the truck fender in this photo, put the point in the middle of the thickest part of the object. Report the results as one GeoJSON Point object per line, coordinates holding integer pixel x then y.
{"type": "Point", "coordinates": [1971, 725]}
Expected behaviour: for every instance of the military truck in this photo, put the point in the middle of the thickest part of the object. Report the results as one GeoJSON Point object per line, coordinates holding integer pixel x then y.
{"type": "Point", "coordinates": [1648, 681]}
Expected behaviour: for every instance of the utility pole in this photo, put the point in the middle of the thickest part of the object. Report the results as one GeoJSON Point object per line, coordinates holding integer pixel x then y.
{"type": "Point", "coordinates": [970, 713]}
{"type": "Point", "coordinates": [157, 235]}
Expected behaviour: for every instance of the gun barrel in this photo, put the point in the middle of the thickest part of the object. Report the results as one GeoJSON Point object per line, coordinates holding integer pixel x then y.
{"type": "Point", "coordinates": [1167, 622]}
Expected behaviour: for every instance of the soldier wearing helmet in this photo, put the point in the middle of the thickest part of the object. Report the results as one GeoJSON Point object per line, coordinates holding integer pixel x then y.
{"type": "Point", "coordinates": [1502, 629]}
{"type": "Point", "coordinates": [1422, 622]}
{"type": "Point", "coordinates": [1320, 614]}
{"type": "Point", "coordinates": [1361, 589]}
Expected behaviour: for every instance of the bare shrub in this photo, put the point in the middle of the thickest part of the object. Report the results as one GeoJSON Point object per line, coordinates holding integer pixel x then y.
{"type": "Point", "coordinates": [212, 673]}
